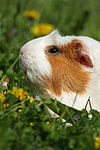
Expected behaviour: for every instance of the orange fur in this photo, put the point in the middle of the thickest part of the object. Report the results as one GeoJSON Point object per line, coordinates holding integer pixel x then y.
{"type": "Point", "coordinates": [67, 72]}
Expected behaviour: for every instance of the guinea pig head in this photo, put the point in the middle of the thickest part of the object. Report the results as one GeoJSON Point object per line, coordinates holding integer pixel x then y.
{"type": "Point", "coordinates": [55, 64]}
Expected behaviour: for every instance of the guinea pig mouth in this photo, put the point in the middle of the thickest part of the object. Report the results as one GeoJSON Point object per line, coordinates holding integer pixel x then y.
{"type": "Point", "coordinates": [25, 72]}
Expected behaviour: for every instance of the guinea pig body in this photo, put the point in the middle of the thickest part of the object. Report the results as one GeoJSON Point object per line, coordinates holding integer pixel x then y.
{"type": "Point", "coordinates": [61, 67]}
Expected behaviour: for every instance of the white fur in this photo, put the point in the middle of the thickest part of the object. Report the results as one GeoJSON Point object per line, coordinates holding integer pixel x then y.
{"type": "Point", "coordinates": [33, 61]}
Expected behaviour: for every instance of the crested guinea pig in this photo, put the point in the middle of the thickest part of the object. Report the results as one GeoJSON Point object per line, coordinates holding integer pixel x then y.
{"type": "Point", "coordinates": [61, 66]}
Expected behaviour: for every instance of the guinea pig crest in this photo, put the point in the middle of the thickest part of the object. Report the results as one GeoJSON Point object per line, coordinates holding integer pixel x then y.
{"type": "Point", "coordinates": [61, 66]}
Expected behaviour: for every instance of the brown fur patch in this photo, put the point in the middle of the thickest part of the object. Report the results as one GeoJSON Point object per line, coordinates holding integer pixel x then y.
{"type": "Point", "coordinates": [67, 72]}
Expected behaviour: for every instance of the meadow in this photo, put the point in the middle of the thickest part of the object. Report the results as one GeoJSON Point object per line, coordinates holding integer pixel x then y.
{"type": "Point", "coordinates": [24, 124]}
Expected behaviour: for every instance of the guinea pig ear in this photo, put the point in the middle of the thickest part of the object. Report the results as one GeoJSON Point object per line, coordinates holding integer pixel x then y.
{"type": "Point", "coordinates": [82, 56]}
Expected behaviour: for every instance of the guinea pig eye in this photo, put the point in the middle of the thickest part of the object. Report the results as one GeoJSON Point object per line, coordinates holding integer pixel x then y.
{"type": "Point", "coordinates": [53, 50]}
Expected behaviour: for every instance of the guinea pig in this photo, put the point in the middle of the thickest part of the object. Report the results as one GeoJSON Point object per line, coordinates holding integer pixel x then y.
{"type": "Point", "coordinates": [63, 67]}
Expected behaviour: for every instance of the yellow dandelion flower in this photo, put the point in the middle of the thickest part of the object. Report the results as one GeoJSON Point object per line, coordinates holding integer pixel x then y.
{"type": "Point", "coordinates": [42, 115]}
{"type": "Point", "coordinates": [20, 110]}
{"type": "Point", "coordinates": [42, 29]}
{"type": "Point", "coordinates": [16, 115]}
{"type": "Point", "coordinates": [28, 96]}
{"type": "Point", "coordinates": [31, 123]}
{"type": "Point", "coordinates": [32, 14]}
{"type": "Point", "coordinates": [8, 92]}
{"type": "Point", "coordinates": [19, 93]}
{"type": "Point", "coordinates": [5, 105]}
{"type": "Point", "coordinates": [47, 122]}
{"type": "Point", "coordinates": [97, 142]}
{"type": "Point", "coordinates": [2, 97]}
{"type": "Point", "coordinates": [32, 100]}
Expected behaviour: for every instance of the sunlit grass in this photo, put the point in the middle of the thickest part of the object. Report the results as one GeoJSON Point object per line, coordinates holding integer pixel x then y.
{"type": "Point", "coordinates": [42, 29]}
{"type": "Point", "coordinates": [31, 14]}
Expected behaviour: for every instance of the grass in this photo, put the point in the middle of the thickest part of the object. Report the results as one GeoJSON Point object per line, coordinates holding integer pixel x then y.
{"type": "Point", "coordinates": [24, 124]}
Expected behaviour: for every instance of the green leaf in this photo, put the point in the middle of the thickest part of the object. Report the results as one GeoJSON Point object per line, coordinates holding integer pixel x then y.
{"type": "Point", "coordinates": [47, 101]}
{"type": "Point", "coordinates": [1, 113]}
{"type": "Point", "coordinates": [61, 109]}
